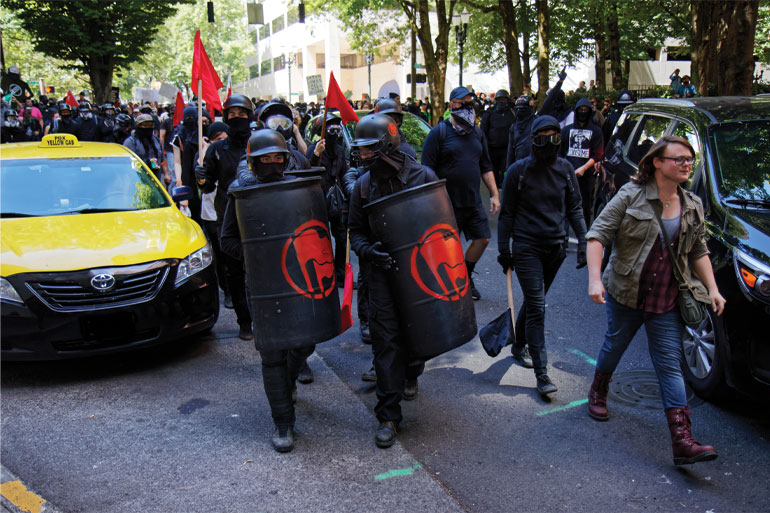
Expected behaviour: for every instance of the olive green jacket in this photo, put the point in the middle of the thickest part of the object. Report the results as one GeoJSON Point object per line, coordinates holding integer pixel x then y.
{"type": "Point", "coordinates": [629, 222]}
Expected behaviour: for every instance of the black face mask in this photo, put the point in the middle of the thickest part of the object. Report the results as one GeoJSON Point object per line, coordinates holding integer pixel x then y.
{"type": "Point", "coordinates": [331, 143]}
{"type": "Point", "coordinates": [522, 112]}
{"type": "Point", "coordinates": [272, 172]}
{"type": "Point", "coordinates": [144, 133]}
{"type": "Point", "coordinates": [545, 154]}
{"type": "Point", "coordinates": [190, 123]}
{"type": "Point", "coordinates": [239, 129]}
{"type": "Point", "coordinates": [501, 105]}
{"type": "Point", "coordinates": [582, 117]}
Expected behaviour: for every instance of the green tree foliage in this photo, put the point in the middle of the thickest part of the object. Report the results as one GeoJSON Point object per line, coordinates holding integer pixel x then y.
{"type": "Point", "coordinates": [95, 36]}
{"type": "Point", "coordinates": [168, 56]}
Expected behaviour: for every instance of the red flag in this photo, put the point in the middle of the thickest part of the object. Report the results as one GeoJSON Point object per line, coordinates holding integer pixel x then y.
{"type": "Point", "coordinates": [335, 99]}
{"type": "Point", "coordinates": [347, 299]}
{"type": "Point", "coordinates": [178, 109]}
{"type": "Point", "coordinates": [70, 100]}
{"type": "Point", "coordinates": [203, 69]}
{"type": "Point", "coordinates": [229, 86]}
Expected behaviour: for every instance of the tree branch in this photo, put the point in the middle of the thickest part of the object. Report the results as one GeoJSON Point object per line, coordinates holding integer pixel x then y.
{"type": "Point", "coordinates": [674, 16]}
{"type": "Point", "coordinates": [479, 7]}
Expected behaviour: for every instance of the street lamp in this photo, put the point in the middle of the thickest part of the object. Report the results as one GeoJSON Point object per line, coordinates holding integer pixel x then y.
{"type": "Point", "coordinates": [369, 61]}
{"type": "Point", "coordinates": [289, 61]}
{"type": "Point", "coordinates": [461, 30]}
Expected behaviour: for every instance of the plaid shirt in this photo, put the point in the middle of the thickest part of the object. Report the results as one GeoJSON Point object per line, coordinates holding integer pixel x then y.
{"type": "Point", "coordinates": [658, 287]}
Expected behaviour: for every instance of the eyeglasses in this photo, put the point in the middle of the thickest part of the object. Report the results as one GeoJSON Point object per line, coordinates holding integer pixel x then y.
{"type": "Point", "coordinates": [681, 160]}
{"type": "Point", "coordinates": [542, 140]}
{"type": "Point", "coordinates": [334, 130]}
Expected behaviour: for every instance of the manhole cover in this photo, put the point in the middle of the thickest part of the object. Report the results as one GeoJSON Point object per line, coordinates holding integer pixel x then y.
{"type": "Point", "coordinates": [640, 388]}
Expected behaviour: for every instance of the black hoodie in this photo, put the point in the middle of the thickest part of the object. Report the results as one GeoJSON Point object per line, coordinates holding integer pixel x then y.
{"type": "Point", "coordinates": [581, 142]}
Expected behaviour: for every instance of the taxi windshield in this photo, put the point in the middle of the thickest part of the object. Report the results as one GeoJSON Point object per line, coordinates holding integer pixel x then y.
{"type": "Point", "coordinates": [48, 187]}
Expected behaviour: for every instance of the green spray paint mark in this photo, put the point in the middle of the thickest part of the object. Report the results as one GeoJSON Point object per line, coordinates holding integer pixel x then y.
{"type": "Point", "coordinates": [565, 407]}
{"type": "Point", "coordinates": [398, 472]}
{"type": "Point", "coordinates": [583, 356]}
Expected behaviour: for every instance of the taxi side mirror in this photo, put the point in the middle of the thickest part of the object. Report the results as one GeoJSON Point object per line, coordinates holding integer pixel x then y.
{"type": "Point", "coordinates": [181, 193]}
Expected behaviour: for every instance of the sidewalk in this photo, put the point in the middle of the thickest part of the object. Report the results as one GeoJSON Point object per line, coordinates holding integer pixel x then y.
{"type": "Point", "coordinates": [218, 458]}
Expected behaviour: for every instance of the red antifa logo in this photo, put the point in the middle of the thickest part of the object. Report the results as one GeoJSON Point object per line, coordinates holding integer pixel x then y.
{"type": "Point", "coordinates": [438, 265]}
{"type": "Point", "coordinates": [310, 246]}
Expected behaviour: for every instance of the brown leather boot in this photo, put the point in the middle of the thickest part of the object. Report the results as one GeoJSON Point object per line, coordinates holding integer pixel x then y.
{"type": "Point", "coordinates": [686, 449]}
{"type": "Point", "coordinates": [597, 396]}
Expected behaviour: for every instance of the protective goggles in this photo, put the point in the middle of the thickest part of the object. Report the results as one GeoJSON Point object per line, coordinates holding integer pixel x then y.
{"type": "Point", "coordinates": [542, 140]}
{"type": "Point", "coordinates": [278, 123]}
{"type": "Point", "coordinates": [334, 130]}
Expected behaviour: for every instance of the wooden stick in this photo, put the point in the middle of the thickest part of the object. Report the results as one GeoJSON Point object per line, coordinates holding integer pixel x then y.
{"type": "Point", "coordinates": [509, 281]}
{"type": "Point", "coordinates": [200, 121]}
{"type": "Point", "coordinates": [347, 250]}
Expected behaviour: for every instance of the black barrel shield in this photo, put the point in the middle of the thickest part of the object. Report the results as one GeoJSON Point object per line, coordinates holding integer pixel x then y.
{"type": "Point", "coordinates": [417, 227]}
{"type": "Point", "coordinates": [289, 263]}
{"type": "Point", "coordinates": [307, 173]}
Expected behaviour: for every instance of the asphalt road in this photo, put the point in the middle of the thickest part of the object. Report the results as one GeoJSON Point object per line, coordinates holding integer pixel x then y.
{"type": "Point", "coordinates": [186, 428]}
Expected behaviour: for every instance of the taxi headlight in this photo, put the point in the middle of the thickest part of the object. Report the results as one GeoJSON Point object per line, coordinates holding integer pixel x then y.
{"type": "Point", "coordinates": [194, 263]}
{"type": "Point", "coordinates": [8, 293]}
{"type": "Point", "coordinates": [754, 274]}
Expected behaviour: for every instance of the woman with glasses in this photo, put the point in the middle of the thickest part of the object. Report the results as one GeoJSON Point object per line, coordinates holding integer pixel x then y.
{"type": "Point", "coordinates": [539, 192]}
{"type": "Point", "coordinates": [641, 287]}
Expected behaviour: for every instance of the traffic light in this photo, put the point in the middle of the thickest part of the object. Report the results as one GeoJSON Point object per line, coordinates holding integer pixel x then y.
{"type": "Point", "coordinates": [50, 89]}
{"type": "Point", "coordinates": [301, 10]}
{"type": "Point", "coordinates": [210, 8]}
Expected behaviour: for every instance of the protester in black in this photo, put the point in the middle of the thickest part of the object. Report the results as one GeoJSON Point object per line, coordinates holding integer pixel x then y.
{"type": "Point", "coordinates": [393, 109]}
{"type": "Point", "coordinates": [388, 171]}
{"type": "Point", "coordinates": [66, 123]}
{"type": "Point", "coordinates": [496, 123]}
{"type": "Point", "coordinates": [12, 130]}
{"type": "Point", "coordinates": [267, 161]}
{"type": "Point", "coordinates": [148, 148]}
{"type": "Point", "coordinates": [538, 193]}
{"type": "Point", "coordinates": [88, 128]}
{"type": "Point", "coordinates": [220, 165]}
{"type": "Point", "coordinates": [329, 153]}
{"type": "Point", "coordinates": [457, 150]}
{"type": "Point", "coordinates": [583, 146]}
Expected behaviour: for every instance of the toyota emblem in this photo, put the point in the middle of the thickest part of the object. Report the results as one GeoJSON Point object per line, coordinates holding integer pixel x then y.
{"type": "Point", "coordinates": [103, 282]}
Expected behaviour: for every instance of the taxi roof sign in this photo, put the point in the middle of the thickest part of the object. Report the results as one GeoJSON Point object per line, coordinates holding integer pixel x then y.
{"type": "Point", "coordinates": [60, 141]}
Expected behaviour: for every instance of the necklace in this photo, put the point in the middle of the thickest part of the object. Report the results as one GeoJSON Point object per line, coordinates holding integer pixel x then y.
{"type": "Point", "coordinates": [668, 201]}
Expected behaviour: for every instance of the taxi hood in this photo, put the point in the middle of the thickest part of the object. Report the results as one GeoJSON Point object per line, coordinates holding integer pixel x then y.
{"type": "Point", "coordinates": [83, 241]}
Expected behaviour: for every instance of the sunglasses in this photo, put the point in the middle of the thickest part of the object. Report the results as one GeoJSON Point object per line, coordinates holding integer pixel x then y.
{"type": "Point", "coordinates": [542, 140]}
{"type": "Point", "coordinates": [334, 130]}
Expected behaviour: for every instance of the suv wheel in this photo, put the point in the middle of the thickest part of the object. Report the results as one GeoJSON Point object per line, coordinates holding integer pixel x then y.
{"type": "Point", "coordinates": [704, 359]}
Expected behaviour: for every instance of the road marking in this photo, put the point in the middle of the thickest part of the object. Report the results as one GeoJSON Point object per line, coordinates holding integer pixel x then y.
{"type": "Point", "coordinates": [398, 472]}
{"type": "Point", "coordinates": [583, 356]}
{"type": "Point", "coordinates": [17, 493]}
{"type": "Point", "coordinates": [565, 407]}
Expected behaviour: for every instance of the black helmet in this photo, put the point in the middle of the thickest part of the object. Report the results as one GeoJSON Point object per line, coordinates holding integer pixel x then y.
{"type": "Point", "coordinates": [146, 108]}
{"type": "Point", "coordinates": [278, 116]}
{"type": "Point", "coordinates": [378, 131]}
{"type": "Point", "coordinates": [387, 106]}
{"type": "Point", "coordinates": [273, 108]}
{"type": "Point", "coordinates": [238, 100]}
{"type": "Point", "coordinates": [502, 93]}
{"type": "Point", "coordinates": [84, 106]}
{"type": "Point", "coordinates": [108, 106]}
{"type": "Point", "coordinates": [265, 141]}
{"type": "Point", "coordinates": [64, 106]}
{"type": "Point", "coordinates": [123, 120]}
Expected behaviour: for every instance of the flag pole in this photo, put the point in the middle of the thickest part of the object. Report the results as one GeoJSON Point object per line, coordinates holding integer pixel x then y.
{"type": "Point", "coordinates": [200, 122]}
{"type": "Point", "coordinates": [323, 124]}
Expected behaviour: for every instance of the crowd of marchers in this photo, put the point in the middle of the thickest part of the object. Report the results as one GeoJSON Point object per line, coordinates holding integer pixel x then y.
{"type": "Point", "coordinates": [539, 166]}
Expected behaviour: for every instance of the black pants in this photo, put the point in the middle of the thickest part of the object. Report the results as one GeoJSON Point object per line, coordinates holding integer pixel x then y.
{"type": "Point", "coordinates": [236, 283]}
{"type": "Point", "coordinates": [391, 358]}
{"type": "Point", "coordinates": [536, 268]}
{"type": "Point", "coordinates": [212, 230]}
{"type": "Point", "coordinates": [279, 372]}
{"type": "Point", "coordinates": [340, 233]}
{"type": "Point", "coordinates": [498, 157]}
{"type": "Point", "coordinates": [363, 290]}
{"type": "Point", "coordinates": [586, 185]}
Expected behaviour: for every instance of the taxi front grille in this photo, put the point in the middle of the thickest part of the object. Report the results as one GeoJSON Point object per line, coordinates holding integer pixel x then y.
{"type": "Point", "coordinates": [72, 293]}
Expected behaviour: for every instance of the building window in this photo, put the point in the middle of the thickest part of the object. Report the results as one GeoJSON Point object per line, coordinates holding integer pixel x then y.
{"type": "Point", "coordinates": [678, 53]}
{"type": "Point", "coordinates": [264, 68]}
{"type": "Point", "coordinates": [264, 31]}
{"type": "Point", "coordinates": [278, 24]}
{"type": "Point", "coordinates": [292, 16]}
{"type": "Point", "coordinates": [255, 37]}
{"type": "Point", "coordinates": [254, 71]}
{"type": "Point", "coordinates": [320, 60]}
{"type": "Point", "coordinates": [279, 63]}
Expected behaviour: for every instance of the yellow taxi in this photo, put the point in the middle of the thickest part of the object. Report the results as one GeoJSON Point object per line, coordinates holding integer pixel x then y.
{"type": "Point", "coordinates": [94, 255]}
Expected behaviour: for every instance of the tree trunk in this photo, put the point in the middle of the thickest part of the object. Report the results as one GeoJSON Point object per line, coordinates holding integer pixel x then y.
{"type": "Point", "coordinates": [100, 71]}
{"type": "Point", "coordinates": [511, 42]}
{"type": "Point", "coordinates": [543, 50]}
{"type": "Point", "coordinates": [526, 72]}
{"type": "Point", "coordinates": [723, 45]}
{"type": "Point", "coordinates": [614, 38]}
{"type": "Point", "coordinates": [413, 37]}
{"type": "Point", "coordinates": [435, 58]}
{"type": "Point", "coordinates": [600, 46]}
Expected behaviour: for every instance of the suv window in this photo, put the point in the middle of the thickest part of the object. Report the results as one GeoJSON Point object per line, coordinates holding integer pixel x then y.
{"type": "Point", "coordinates": [687, 131]}
{"type": "Point", "coordinates": [650, 129]}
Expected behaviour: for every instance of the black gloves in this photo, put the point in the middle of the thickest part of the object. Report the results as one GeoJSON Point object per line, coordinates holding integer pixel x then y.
{"type": "Point", "coordinates": [562, 74]}
{"type": "Point", "coordinates": [581, 255]}
{"type": "Point", "coordinates": [506, 261]}
{"type": "Point", "coordinates": [376, 256]}
{"type": "Point", "coordinates": [200, 174]}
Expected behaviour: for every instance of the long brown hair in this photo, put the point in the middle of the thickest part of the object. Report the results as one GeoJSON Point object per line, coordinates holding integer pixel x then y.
{"type": "Point", "coordinates": [646, 168]}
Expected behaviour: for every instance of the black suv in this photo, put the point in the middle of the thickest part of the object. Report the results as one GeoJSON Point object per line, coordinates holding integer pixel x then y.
{"type": "Point", "coordinates": [731, 138]}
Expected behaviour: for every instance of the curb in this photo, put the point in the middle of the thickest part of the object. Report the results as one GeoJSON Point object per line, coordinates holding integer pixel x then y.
{"type": "Point", "coordinates": [16, 497]}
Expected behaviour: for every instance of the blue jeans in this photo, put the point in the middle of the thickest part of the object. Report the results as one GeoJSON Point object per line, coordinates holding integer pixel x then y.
{"type": "Point", "coordinates": [664, 338]}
